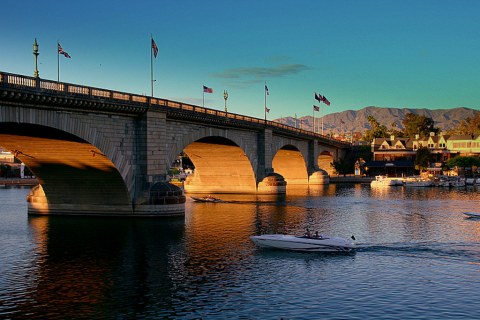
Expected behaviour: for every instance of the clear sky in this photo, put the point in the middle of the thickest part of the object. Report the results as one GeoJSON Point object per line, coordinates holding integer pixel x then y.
{"type": "Point", "coordinates": [385, 53]}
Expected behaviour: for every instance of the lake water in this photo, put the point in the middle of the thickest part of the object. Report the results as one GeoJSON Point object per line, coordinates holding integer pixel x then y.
{"type": "Point", "coordinates": [419, 258]}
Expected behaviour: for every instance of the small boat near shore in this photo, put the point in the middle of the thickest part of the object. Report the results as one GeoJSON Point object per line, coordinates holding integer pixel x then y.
{"type": "Point", "coordinates": [207, 199]}
{"type": "Point", "coordinates": [384, 181]}
{"type": "Point", "coordinates": [321, 243]}
{"type": "Point", "coordinates": [417, 182]}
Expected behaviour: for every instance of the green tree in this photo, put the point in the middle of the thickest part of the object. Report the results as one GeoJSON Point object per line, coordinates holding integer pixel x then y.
{"type": "Point", "coordinates": [395, 132]}
{"type": "Point", "coordinates": [377, 130]}
{"type": "Point", "coordinates": [463, 162]}
{"type": "Point", "coordinates": [416, 124]}
{"type": "Point", "coordinates": [364, 152]}
{"type": "Point", "coordinates": [468, 126]}
{"type": "Point", "coordinates": [422, 158]}
{"type": "Point", "coordinates": [343, 166]}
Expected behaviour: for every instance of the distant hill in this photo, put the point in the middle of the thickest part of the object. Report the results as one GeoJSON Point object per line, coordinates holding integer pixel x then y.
{"type": "Point", "coordinates": [356, 121]}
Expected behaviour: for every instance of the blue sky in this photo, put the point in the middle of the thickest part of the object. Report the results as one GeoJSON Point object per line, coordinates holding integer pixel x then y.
{"type": "Point", "coordinates": [399, 54]}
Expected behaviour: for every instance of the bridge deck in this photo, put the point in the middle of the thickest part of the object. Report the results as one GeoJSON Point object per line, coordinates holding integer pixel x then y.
{"type": "Point", "coordinates": [17, 89]}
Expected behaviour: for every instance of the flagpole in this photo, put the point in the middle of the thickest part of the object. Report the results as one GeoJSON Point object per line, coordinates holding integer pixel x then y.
{"type": "Point", "coordinates": [58, 64]}
{"type": "Point", "coordinates": [265, 107]}
{"type": "Point", "coordinates": [313, 116]}
{"type": "Point", "coordinates": [151, 62]}
{"type": "Point", "coordinates": [322, 120]}
{"type": "Point", "coordinates": [203, 97]}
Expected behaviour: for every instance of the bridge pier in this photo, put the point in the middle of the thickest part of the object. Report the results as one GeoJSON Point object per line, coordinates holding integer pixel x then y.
{"type": "Point", "coordinates": [319, 177]}
{"type": "Point", "coordinates": [163, 202]}
{"type": "Point", "coordinates": [268, 181]}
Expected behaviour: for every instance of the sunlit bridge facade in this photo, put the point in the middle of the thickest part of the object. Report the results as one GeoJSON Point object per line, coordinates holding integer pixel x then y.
{"type": "Point", "coordinates": [97, 151]}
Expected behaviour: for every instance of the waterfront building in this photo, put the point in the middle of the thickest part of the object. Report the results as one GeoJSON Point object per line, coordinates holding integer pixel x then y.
{"type": "Point", "coordinates": [396, 156]}
{"type": "Point", "coordinates": [6, 157]}
{"type": "Point", "coordinates": [392, 156]}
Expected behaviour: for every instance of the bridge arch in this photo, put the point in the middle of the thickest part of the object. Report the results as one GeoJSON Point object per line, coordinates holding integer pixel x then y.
{"type": "Point", "coordinates": [183, 139]}
{"type": "Point", "coordinates": [73, 173]}
{"type": "Point", "coordinates": [324, 160]}
{"type": "Point", "coordinates": [290, 162]}
{"type": "Point", "coordinates": [86, 127]}
{"type": "Point", "coordinates": [221, 166]}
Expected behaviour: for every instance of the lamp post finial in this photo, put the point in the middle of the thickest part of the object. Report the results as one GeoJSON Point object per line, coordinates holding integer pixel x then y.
{"type": "Point", "coordinates": [35, 53]}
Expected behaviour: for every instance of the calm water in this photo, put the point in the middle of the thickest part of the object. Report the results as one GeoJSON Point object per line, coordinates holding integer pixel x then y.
{"type": "Point", "coordinates": [419, 259]}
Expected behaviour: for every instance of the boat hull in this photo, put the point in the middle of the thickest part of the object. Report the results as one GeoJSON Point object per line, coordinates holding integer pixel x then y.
{"type": "Point", "coordinates": [472, 214]}
{"type": "Point", "coordinates": [206, 199]}
{"type": "Point", "coordinates": [384, 181]}
{"type": "Point", "coordinates": [305, 244]}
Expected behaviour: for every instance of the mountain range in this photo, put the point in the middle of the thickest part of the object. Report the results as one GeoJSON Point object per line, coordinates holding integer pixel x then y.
{"type": "Point", "coordinates": [357, 121]}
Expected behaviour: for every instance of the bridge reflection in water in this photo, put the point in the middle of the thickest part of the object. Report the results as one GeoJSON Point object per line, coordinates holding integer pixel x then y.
{"type": "Point", "coordinates": [205, 266]}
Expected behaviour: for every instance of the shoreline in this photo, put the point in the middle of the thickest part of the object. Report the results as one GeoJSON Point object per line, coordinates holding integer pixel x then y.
{"type": "Point", "coordinates": [18, 182]}
{"type": "Point", "coordinates": [351, 179]}
{"type": "Point", "coordinates": [33, 182]}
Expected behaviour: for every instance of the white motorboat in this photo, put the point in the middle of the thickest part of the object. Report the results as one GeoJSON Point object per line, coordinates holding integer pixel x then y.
{"type": "Point", "coordinates": [472, 214]}
{"type": "Point", "coordinates": [458, 182]}
{"type": "Point", "coordinates": [321, 243]}
{"type": "Point", "coordinates": [384, 181]}
{"type": "Point", "coordinates": [417, 182]}
{"type": "Point", "coordinates": [206, 199]}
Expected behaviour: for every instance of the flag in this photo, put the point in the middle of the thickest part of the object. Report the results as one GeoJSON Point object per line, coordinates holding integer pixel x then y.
{"type": "Point", "coordinates": [325, 100]}
{"type": "Point", "coordinates": [266, 109]}
{"type": "Point", "coordinates": [318, 97]}
{"type": "Point", "coordinates": [60, 51]}
{"type": "Point", "coordinates": [207, 89]}
{"type": "Point", "coordinates": [266, 90]}
{"type": "Point", "coordinates": [154, 48]}
{"type": "Point", "coordinates": [315, 108]}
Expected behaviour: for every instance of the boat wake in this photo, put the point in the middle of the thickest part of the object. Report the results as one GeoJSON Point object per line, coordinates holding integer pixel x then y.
{"type": "Point", "coordinates": [469, 251]}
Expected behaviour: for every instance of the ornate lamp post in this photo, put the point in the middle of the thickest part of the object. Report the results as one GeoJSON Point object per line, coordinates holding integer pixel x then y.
{"type": "Point", "coordinates": [35, 53]}
{"type": "Point", "coordinates": [225, 96]}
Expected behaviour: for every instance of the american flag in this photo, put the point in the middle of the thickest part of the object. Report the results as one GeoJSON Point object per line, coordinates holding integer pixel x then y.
{"type": "Point", "coordinates": [266, 91]}
{"type": "Point", "coordinates": [325, 100]}
{"type": "Point", "coordinates": [207, 89]}
{"type": "Point", "coordinates": [267, 110]}
{"type": "Point", "coordinates": [315, 108]}
{"type": "Point", "coordinates": [154, 48]}
{"type": "Point", "coordinates": [60, 51]}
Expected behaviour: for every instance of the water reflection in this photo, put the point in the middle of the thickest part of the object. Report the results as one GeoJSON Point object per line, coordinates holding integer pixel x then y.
{"type": "Point", "coordinates": [87, 261]}
{"type": "Point", "coordinates": [205, 266]}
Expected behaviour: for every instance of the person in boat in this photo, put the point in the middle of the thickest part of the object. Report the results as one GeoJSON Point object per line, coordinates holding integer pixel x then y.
{"type": "Point", "coordinates": [316, 235]}
{"type": "Point", "coordinates": [308, 234]}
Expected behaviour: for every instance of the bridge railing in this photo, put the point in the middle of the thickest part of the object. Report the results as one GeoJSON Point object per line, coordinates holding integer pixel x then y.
{"type": "Point", "coordinates": [24, 82]}
{"type": "Point", "coordinates": [43, 85]}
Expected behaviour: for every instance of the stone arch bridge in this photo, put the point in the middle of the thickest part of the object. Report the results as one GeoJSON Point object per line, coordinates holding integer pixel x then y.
{"type": "Point", "coordinates": [102, 152]}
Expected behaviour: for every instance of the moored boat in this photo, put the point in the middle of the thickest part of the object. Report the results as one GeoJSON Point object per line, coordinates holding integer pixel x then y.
{"type": "Point", "coordinates": [321, 243]}
{"type": "Point", "coordinates": [417, 182]}
{"type": "Point", "coordinates": [458, 182]}
{"type": "Point", "coordinates": [206, 199]}
{"type": "Point", "coordinates": [384, 181]}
